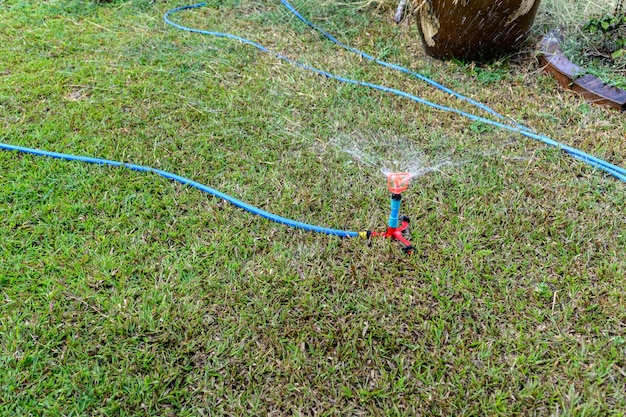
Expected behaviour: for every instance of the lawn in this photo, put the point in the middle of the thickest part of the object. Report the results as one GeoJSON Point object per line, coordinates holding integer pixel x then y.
{"type": "Point", "coordinates": [123, 293]}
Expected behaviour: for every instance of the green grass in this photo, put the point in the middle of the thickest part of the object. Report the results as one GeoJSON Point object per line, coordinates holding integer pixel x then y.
{"type": "Point", "coordinates": [126, 294]}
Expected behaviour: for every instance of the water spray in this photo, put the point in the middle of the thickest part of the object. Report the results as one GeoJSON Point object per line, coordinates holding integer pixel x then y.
{"type": "Point", "coordinates": [499, 122]}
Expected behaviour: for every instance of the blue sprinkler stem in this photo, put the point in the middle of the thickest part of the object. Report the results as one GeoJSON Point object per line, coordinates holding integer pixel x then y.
{"type": "Point", "coordinates": [396, 199]}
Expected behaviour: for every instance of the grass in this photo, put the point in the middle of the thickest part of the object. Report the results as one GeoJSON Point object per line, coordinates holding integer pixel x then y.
{"type": "Point", "coordinates": [126, 294]}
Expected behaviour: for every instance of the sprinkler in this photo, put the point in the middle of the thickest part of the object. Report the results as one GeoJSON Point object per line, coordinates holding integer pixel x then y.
{"type": "Point", "coordinates": [397, 226]}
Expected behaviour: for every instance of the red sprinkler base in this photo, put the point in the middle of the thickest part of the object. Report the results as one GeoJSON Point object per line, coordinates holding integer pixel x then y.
{"type": "Point", "coordinates": [398, 233]}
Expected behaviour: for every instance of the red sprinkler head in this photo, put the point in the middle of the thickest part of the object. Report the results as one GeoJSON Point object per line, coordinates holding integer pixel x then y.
{"type": "Point", "coordinates": [398, 181]}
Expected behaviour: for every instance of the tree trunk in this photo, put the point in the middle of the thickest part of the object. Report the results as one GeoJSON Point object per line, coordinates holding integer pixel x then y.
{"type": "Point", "coordinates": [475, 29]}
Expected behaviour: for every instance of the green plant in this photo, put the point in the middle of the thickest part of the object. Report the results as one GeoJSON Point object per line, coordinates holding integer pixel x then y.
{"type": "Point", "coordinates": [605, 24]}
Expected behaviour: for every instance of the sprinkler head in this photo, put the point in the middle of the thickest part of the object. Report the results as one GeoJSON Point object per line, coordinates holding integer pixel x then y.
{"type": "Point", "coordinates": [398, 181]}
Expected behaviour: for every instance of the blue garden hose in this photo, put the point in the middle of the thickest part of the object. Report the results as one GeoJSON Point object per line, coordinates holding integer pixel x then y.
{"type": "Point", "coordinates": [185, 181]}
{"type": "Point", "coordinates": [614, 170]}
